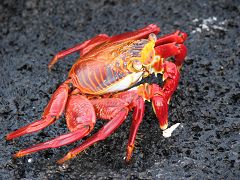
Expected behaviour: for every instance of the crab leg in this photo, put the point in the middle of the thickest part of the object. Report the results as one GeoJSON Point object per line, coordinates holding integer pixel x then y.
{"type": "Point", "coordinates": [138, 34]}
{"type": "Point", "coordinates": [52, 112]}
{"type": "Point", "coordinates": [56, 142]}
{"type": "Point", "coordinates": [134, 100]}
{"type": "Point", "coordinates": [99, 39]}
{"type": "Point", "coordinates": [137, 119]}
{"type": "Point", "coordinates": [83, 48]}
{"type": "Point", "coordinates": [80, 116]}
{"type": "Point", "coordinates": [111, 109]}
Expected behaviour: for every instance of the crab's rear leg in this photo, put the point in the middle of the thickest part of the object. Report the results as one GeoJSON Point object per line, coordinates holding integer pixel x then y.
{"type": "Point", "coordinates": [82, 48]}
{"type": "Point", "coordinates": [113, 109]}
{"type": "Point", "coordinates": [52, 112]}
{"type": "Point", "coordinates": [80, 117]}
{"type": "Point", "coordinates": [88, 45]}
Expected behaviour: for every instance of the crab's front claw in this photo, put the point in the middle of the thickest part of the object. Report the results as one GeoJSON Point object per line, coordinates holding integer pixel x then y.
{"type": "Point", "coordinates": [182, 36]}
{"type": "Point", "coordinates": [160, 107]}
{"type": "Point", "coordinates": [179, 58]}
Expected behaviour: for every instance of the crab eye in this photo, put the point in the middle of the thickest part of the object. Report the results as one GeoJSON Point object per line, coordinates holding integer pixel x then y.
{"type": "Point", "coordinates": [152, 37]}
{"type": "Point", "coordinates": [149, 59]}
{"type": "Point", "coordinates": [136, 64]}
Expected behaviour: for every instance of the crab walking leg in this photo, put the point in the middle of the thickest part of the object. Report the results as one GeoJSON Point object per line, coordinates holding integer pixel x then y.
{"type": "Point", "coordinates": [83, 48]}
{"type": "Point", "coordinates": [80, 116]}
{"type": "Point", "coordinates": [103, 133]}
{"type": "Point", "coordinates": [99, 39]}
{"type": "Point", "coordinates": [56, 142]}
{"type": "Point", "coordinates": [51, 113]}
{"type": "Point", "coordinates": [177, 37]}
{"type": "Point", "coordinates": [138, 34]}
{"type": "Point", "coordinates": [138, 114]}
{"type": "Point", "coordinates": [135, 101]}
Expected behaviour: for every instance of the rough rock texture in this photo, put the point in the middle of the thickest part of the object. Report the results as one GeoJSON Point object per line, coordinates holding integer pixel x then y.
{"type": "Point", "coordinates": [206, 103]}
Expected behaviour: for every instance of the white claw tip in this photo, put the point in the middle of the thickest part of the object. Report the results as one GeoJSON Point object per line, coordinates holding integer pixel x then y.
{"type": "Point", "coordinates": [168, 132]}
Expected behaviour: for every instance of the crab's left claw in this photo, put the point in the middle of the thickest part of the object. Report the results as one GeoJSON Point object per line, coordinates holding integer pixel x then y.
{"type": "Point", "coordinates": [160, 107]}
{"type": "Point", "coordinates": [161, 96]}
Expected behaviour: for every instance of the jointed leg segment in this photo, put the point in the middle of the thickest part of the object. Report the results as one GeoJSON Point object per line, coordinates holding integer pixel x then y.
{"type": "Point", "coordinates": [103, 133]}
{"type": "Point", "coordinates": [80, 118]}
{"type": "Point", "coordinates": [51, 113]}
{"type": "Point", "coordinates": [88, 45]}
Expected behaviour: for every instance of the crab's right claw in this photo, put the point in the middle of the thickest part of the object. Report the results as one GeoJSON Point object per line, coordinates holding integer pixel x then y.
{"type": "Point", "coordinates": [160, 107]}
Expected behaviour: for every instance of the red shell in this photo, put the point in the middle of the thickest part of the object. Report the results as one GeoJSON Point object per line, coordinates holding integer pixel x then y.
{"type": "Point", "coordinates": [104, 66]}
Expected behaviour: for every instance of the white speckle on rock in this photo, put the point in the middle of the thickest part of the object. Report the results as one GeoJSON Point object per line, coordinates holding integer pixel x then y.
{"type": "Point", "coordinates": [30, 160]}
{"type": "Point", "coordinates": [204, 26]}
{"type": "Point", "coordinates": [199, 30]}
{"type": "Point", "coordinates": [219, 28]}
{"type": "Point", "coordinates": [209, 20]}
{"type": "Point", "coordinates": [63, 167]}
{"type": "Point", "coordinates": [208, 25]}
{"type": "Point", "coordinates": [195, 20]}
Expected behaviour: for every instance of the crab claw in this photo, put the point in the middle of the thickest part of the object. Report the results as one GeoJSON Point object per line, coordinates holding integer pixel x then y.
{"type": "Point", "coordinates": [183, 35]}
{"type": "Point", "coordinates": [179, 58]}
{"type": "Point", "coordinates": [160, 107]}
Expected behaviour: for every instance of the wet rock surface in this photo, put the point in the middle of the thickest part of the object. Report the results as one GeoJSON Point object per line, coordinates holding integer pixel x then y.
{"type": "Point", "coordinates": [206, 103]}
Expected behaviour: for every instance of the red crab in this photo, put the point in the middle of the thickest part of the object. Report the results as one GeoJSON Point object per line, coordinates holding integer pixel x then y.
{"type": "Point", "coordinates": [97, 87]}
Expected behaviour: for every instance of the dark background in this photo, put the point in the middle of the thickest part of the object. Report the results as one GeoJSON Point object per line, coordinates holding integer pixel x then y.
{"type": "Point", "coordinates": [206, 102]}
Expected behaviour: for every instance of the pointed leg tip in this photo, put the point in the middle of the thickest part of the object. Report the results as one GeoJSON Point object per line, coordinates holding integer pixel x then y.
{"type": "Point", "coordinates": [8, 137]}
{"type": "Point", "coordinates": [129, 153]}
{"type": "Point", "coordinates": [60, 161]}
{"type": "Point", "coordinates": [18, 154]}
{"type": "Point", "coordinates": [11, 136]}
{"type": "Point", "coordinates": [49, 68]}
{"type": "Point", "coordinates": [52, 62]}
{"type": "Point", "coordinates": [65, 158]}
{"type": "Point", "coordinates": [127, 160]}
